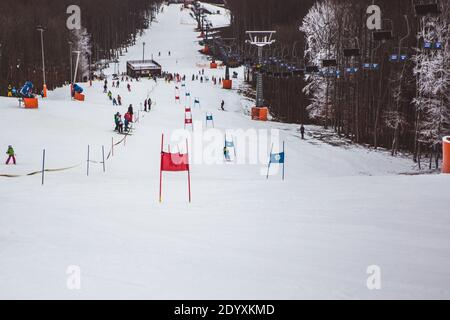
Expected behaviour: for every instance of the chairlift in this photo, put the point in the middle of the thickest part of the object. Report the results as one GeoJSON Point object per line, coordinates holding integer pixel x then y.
{"type": "Point", "coordinates": [430, 45]}
{"type": "Point", "coordinates": [371, 66]}
{"type": "Point", "coordinates": [426, 7]}
{"type": "Point", "coordinates": [399, 56]}
{"type": "Point", "coordinates": [384, 34]}
{"type": "Point", "coordinates": [329, 63]}
{"type": "Point", "coordinates": [351, 70]}
{"type": "Point", "coordinates": [330, 73]}
{"type": "Point", "coordinates": [311, 69]}
{"type": "Point", "coordinates": [352, 52]}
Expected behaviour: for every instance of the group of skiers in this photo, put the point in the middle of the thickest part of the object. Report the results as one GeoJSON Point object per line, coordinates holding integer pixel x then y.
{"type": "Point", "coordinates": [124, 125]}
{"type": "Point", "coordinates": [26, 91]}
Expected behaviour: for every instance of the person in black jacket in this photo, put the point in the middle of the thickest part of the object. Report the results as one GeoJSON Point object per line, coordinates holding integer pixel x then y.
{"type": "Point", "coordinates": [302, 131]}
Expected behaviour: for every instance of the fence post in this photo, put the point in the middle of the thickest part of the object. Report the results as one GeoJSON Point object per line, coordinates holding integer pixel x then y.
{"type": "Point", "coordinates": [103, 155]}
{"type": "Point", "coordinates": [87, 163]}
{"type": "Point", "coordinates": [43, 166]}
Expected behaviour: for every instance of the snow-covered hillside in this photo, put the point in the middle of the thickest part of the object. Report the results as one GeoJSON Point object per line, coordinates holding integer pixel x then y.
{"type": "Point", "coordinates": [339, 211]}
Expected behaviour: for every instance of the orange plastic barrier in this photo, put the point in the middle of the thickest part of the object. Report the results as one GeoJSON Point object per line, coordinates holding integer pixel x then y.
{"type": "Point", "coordinates": [259, 114]}
{"type": "Point", "coordinates": [79, 96]}
{"type": "Point", "coordinates": [45, 91]}
{"type": "Point", "coordinates": [31, 103]}
{"type": "Point", "coordinates": [446, 155]}
{"type": "Point", "coordinates": [205, 50]}
{"type": "Point", "coordinates": [227, 84]}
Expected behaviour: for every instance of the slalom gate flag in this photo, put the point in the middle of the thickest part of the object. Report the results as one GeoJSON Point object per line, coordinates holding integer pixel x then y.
{"type": "Point", "coordinates": [277, 158]}
{"type": "Point", "coordinates": [174, 162]}
{"type": "Point", "coordinates": [229, 144]}
{"type": "Point", "coordinates": [209, 117]}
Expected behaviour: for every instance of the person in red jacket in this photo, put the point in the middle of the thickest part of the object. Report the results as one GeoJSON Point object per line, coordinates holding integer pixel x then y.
{"type": "Point", "coordinates": [128, 119]}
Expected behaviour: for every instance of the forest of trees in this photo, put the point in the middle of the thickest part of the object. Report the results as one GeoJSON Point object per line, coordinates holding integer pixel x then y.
{"type": "Point", "coordinates": [108, 26]}
{"type": "Point", "coordinates": [401, 105]}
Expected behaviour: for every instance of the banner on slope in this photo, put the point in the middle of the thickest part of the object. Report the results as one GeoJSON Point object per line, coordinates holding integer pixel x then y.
{"type": "Point", "coordinates": [277, 158]}
{"type": "Point", "coordinates": [174, 162]}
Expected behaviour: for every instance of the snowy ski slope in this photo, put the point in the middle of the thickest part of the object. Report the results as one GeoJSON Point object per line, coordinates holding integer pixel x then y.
{"type": "Point", "coordinates": [314, 235]}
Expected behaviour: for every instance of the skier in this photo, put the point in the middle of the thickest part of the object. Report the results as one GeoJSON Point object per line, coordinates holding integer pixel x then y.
{"type": "Point", "coordinates": [226, 153]}
{"type": "Point", "coordinates": [193, 77]}
{"type": "Point", "coordinates": [222, 105]}
{"type": "Point", "coordinates": [11, 155]}
{"type": "Point", "coordinates": [130, 111]}
{"type": "Point", "coordinates": [128, 119]}
{"type": "Point", "coordinates": [110, 95]}
{"type": "Point", "coordinates": [10, 91]}
{"type": "Point", "coordinates": [118, 84]}
{"type": "Point", "coordinates": [169, 53]}
{"type": "Point", "coordinates": [149, 104]}
{"type": "Point", "coordinates": [302, 131]}
{"type": "Point", "coordinates": [116, 121]}
{"type": "Point", "coordinates": [105, 88]}
{"type": "Point", "coordinates": [119, 100]}
{"type": "Point", "coordinates": [114, 102]}
{"type": "Point", "coordinates": [120, 123]}
{"type": "Point", "coordinates": [145, 105]}
{"type": "Point", "coordinates": [129, 87]}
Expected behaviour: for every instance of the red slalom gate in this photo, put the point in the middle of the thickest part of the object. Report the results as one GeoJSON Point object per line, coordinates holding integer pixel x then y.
{"type": "Point", "coordinates": [174, 162]}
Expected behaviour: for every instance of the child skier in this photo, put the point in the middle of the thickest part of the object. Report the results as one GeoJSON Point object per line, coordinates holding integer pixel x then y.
{"type": "Point", "coordinates": [11, 155]}
{"type": "Point", "coordinates": [226, 154]}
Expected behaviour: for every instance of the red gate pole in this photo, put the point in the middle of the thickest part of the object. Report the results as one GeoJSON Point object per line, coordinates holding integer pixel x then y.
{"type": "Point", "coordinates": [189, 171]}
{"type": "Point", "coordinates": [160, 170]}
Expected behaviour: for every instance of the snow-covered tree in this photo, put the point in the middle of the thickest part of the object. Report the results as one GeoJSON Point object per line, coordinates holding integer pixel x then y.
{"type": "Point", "coordinates": [433, 78]}
{"type": "Point", "coordinates": [320, 28]}
{"type": "Point", "coordinates": [82, 43]}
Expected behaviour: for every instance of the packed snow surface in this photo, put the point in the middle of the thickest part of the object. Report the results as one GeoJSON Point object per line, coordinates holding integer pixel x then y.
{"type": "Point", "coordinates": [314, 235]}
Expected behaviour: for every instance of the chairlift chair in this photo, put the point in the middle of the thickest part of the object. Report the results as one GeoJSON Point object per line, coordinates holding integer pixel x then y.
{"type": "Point", "coordinates": [311, 69]}
{"type": "Point", "coordinates": [384, 34]}
{"type": "Point", "coordinates": [371, 66]}
{"type": "Point", "coordinates": [426, 7]}
{"type": "Point", "coordinates": [329, 63]}
{"type": "Point", "coordinates": [399, 55]}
